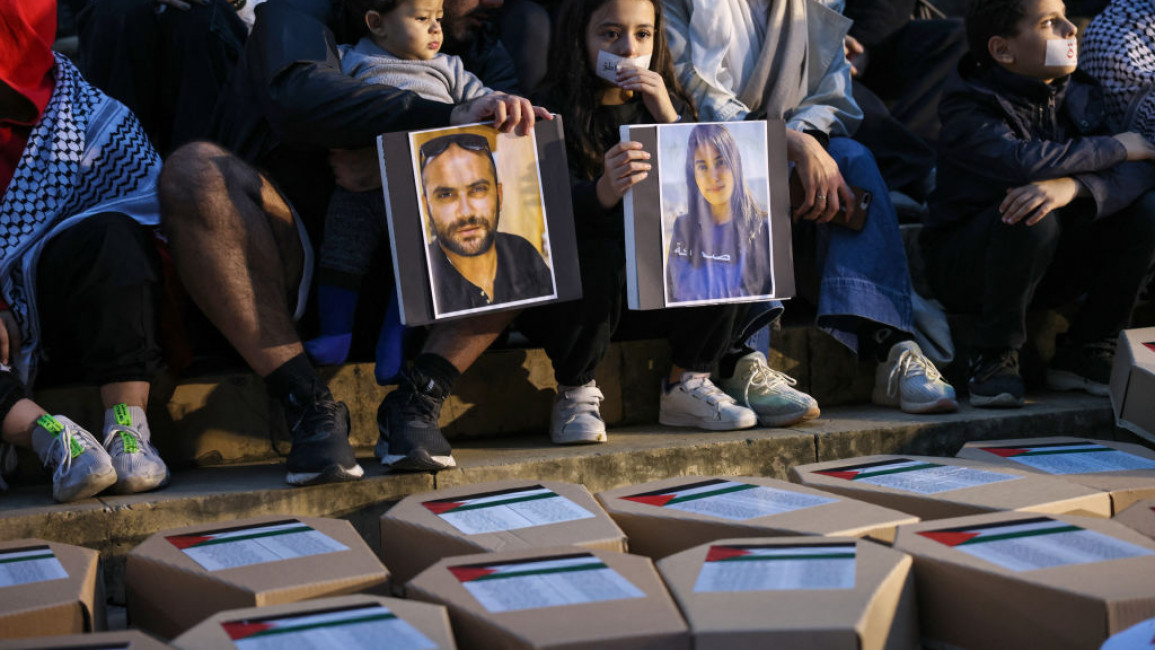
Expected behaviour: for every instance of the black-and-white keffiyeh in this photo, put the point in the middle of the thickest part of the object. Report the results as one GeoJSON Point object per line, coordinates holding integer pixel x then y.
{"type": "Point", "coordinates": [1119, 50]}
{"type": "Point", "coordinates": [87, 155]}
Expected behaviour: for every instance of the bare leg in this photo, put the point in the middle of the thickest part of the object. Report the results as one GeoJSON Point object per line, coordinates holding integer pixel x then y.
{"type": "Point", "coordinates": [131, 393]}
{"type": "Point", "coordinates": [461, 342]}
{"type": "Point", "coordinates": [18, 424]}
{"type": "Point", "coordinates": [236, 249]}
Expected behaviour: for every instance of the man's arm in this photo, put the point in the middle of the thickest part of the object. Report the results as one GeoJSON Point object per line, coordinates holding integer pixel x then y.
{"type": "Point", "coordinates": [1119, 186]}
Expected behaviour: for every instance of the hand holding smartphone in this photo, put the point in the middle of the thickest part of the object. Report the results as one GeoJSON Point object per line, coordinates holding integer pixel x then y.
{"type": "Point", "coordinates": [852, 217]}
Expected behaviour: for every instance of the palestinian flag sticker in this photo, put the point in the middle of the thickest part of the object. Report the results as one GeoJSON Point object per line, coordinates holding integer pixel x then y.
{"type": "Point", "coordinates": [1071, 457]}
{"type": "Point", "coordinates": [29, 564]}
{"type": "Point", "coordinates": [918, 476]}
{"type": "Point", "coordinates": [356, 626]}
{"type": "Point", "coordinates": [228, 548]}
{"type": "Point", "coordinates": [555, 581]}
{"type": "Point", "coordinates": [778, 567]}
{"type": "Point", "coordinates": [1036, 543]}
{"type": "Point", "coordinates": [492, 512]}
{"type": "Point", "coordinates": [729, 499]}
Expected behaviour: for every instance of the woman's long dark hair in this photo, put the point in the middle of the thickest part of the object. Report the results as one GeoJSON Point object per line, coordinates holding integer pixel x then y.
{"type": "Point", "coordinates": [748, 216]}
{"type": "Point", "coordinates": [574, 87]}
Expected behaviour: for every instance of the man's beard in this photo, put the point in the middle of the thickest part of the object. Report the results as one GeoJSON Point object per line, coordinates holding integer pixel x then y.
{"type": "Point", "coordinates": [473, 248]}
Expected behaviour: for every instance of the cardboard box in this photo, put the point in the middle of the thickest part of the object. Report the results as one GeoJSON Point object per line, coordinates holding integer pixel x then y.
{"type": "Point", "coordinates": [795, 593]}
{"type": "Point", "coordinates": [49, 589]}
{"type": "Point", "coordinates": [177, 578]}
{"type": "Point", "coordinates": [938, 488]}
{"type": "Point", "coordinates": [672, 515]}
{"type": "Point", "coordinates": [123, 640]}
{"type": "Point", "coordinates": [423, 528]}
{"type": "Point", "coordinates": [1125, 471]}
{"type": "Point", "coordinates": [1133, 382]}
{"type": "Point", "coordinates": [560, 597]}
{"type": "Point", "coordinates": [1023, 580]}
{"type": "Point", "coordinates": [325, 624]}
{"type": "Point", "coordinates": [1140, 516]}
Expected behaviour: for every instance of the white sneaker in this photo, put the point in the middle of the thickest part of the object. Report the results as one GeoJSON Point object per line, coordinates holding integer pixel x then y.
{"type": "Point", "coordinates": [908, 380]}
{"type": "Point", "coordinates": [576, 419]}
{"type": "Point", "coordinates": [769, 393]}
{"type": "Point", "coordinates": [139, 468]}
{"type": "Point", "coordinates": [696, 402]}
{"type": "Point", "coordinates": [81, 467]}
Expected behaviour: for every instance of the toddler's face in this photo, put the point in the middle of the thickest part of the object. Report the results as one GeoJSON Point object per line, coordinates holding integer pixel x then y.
{"type": "Point", "coordinates": [1044, 48]}
{"type": "Point", "coordinates": [412, 31]}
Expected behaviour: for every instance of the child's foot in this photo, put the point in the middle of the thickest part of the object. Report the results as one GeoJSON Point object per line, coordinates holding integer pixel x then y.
{"type": "Point", "coordinates": [908, 380]}
{"type": "Point", "coordinates": [696, 402]}
{"type": "Point", "coordinates": [139, 467]}
{"type": "Point", "coordinates": [576, 419]}
{"type": "Point", "coordinates": [329, 349]}
{"type": "Point", "coordinates": [81, 467]}
{"type": "Point", "coordinates": [1082, 367]}
{"type": "Point", "coordinates": [995, 380]}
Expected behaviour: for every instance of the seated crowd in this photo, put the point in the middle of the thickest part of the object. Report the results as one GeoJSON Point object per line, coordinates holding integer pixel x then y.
{"type": "Point", "coordinates": [1032, 178]}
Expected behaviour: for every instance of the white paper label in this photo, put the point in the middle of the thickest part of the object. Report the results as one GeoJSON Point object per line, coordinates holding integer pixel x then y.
{"type": "Point", "coordinates": [1062, 52]}
{"type": "Point", "coordinates": [754, 567]}
{"type": "Point", "coordinates": [544, 582]}
{"type": "Point", "coordinates": [730, 499]}
{"type": "Point", "coordinates": [1140, 636]}
{"type": "Point", "coordinates": [608, 64]}
{"type": "Point", "coordinates": [1038, 543]}
{"type": "Point", "coordinates": [918, 476]}
{"type": "Point", "coordinates": [21, 566]}
{"type": "Point", "coordinates": [1072, 458]}
{"type": "Point", "coordinates": [507, 510]}
{"type": "Point", "coordinates": [229, 548]}
{"type": "Point", "coordinates": [359, 626]}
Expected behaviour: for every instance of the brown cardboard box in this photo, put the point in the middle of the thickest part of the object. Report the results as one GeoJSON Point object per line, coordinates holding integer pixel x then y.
{"type": "Point", "coordinates": [561, 597]}
{"type": "Point", "coordinates": [122, 640]}
{"type": "Point", "coordinates": [1024, 580]}
{"type": "Point", "coordinates": [1125, 471]}
{"type": "Point", "coordinates": [937, 488]}
{"type": "Point", "coordinates": [339, 623]}
{"type": "Point", "coordinates": [498, 516]}
{"type": "Point", "coordinates": [49, 589]}
{"type": "Point", "coordinates": [1139, 516]}
{"type": "Point", "coordinates": [659, 519]}
{"type": "Point", "coordinates": [795, 593]}
{"type": "Point", "coordinates": [177, 578]}
{"type": "Point", "coordinates": [1133, 382]}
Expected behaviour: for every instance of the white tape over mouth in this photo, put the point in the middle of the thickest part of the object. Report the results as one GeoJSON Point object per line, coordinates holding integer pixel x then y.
{"type": "Point", "coordinates": [1062, 52]}
{"type": "Point", "coordinates": [609, 64]}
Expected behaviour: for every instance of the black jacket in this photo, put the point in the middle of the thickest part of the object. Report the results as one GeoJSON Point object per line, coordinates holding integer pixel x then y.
{"type": "Point", "coordinates": [1001, 130]}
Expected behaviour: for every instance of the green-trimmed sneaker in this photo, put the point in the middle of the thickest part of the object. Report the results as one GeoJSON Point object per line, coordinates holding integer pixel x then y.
{"type": "Point", "coordinates": [139, 467]}
{"type": "Point", "coordinates": [81, 467]}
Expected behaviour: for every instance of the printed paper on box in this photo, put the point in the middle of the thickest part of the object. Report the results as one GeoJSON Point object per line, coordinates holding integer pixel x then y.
{"type": "Point", "coordinates": [572, 579]}
{"type": "Point", "coordinates": [730, 499]}
{"type": "Point", "coordinates": [1038, 543]}
{"type": "Point", "coordinates": [25, 565]}
{"type": "Point", "coordinates": [511, 509]}
{"type": "Point", "coordinates": [1072, 458]}
{"type": "Point", "coordinates": [917, 476]}
{"type": "Point", "coordinates": [765, 567]}
{"type": "Point", "coordinates": [357, 626]}
{"type": "Point", "coordinates": [228, 548]}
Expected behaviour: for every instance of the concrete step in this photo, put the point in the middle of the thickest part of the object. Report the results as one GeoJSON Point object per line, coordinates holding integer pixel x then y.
{"type": "Point", "coordinates": [635, 454]}
{"type": "Point", "coordinates": [227, 418]}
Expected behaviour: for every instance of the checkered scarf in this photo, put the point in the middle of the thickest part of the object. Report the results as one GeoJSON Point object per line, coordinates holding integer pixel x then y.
{"type": "Point", "coordinates": [86, 155]}
{"type": "Point", "coordinates": [1119, 50]}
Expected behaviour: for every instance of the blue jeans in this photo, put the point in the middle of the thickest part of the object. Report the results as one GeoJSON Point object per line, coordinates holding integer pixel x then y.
{"type": "Point", "coordinates": [857, 275]}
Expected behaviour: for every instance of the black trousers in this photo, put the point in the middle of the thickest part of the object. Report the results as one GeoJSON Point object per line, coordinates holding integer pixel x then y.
{"type": "Point", "coordinates": [99, 289]}
{"type": "Point", "coordinates": [576, 334]}
{"type": "Point", "coordinates": [985, 267]}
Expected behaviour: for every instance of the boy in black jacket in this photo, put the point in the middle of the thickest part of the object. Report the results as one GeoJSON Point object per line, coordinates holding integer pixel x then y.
{"type": "Point", "coordinates": [1037, 201]}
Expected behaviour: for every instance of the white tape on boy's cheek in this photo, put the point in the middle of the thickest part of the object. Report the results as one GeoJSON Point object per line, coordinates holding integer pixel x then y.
{"type": "Point", "coordinates": [1062, 52]}
{"type": "Point", "coordinates": [608, 64]}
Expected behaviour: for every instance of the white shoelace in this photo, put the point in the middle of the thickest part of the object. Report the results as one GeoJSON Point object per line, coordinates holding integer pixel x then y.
{"type": "Point", "coordinates": [910, 364]}
{"type": "Point", "coordinates": [63, 444]}
{"type": "Point", "coordinates": [765, 377]}
{"type": "Point", "coordinates": [700, 387]}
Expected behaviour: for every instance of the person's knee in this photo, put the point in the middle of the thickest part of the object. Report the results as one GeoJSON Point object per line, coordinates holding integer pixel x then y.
{"type": "Point", "coordinates": [198, 177]}
{"type": "Point", "coordinates": [1042, 237]}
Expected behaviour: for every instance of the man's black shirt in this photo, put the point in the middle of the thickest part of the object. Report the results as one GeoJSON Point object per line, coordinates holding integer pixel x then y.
{"type": "Point", "coordinates": [521, 275]}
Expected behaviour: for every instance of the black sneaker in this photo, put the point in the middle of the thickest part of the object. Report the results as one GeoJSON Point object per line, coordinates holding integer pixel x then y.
{"type": "Point", "coordinates": [995, 380]}
{"type": "Point", "coordinates": [410, 438]}
{"type": "Point", "coordinates": [321, 452]}
{"type": "Point", "coordinates": [1082, 367]}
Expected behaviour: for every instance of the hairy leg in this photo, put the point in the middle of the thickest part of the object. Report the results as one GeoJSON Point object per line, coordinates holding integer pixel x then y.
{"type": "Point", "coordinates": [461, 342]}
